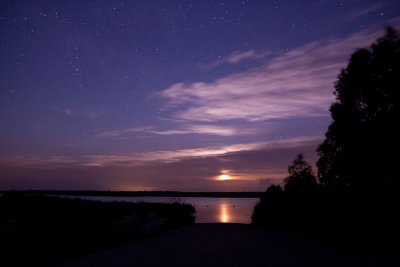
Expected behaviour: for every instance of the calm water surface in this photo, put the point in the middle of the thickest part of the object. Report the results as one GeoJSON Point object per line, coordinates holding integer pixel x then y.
{"type": "Point", "coordinates": [208, 209]}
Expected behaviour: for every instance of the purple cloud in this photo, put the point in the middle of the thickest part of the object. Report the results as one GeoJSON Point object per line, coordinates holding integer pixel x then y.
{"type": "Point", "coordinates": [122, 132]}
{"type": "Point", "coordinates": [186, 170]}
{"type": "Point", "coordinates": [374, 8]}
{"type": "Point", "coordinates": [87, 113]}
{"type": "Point", "coordinates": [298, 83]}
{"type": "Point", "coordinates": [203, 129]}
{"type": "Point", "coordinates": [237, 57]}
{"type": "Point", "coordinates": [143, 158]}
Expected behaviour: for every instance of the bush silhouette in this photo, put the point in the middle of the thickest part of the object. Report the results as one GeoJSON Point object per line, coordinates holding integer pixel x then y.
{"type": "Point", "coordinates": [270, 209]}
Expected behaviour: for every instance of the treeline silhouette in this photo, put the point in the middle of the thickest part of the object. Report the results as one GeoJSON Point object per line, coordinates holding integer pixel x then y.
{"type": "Point", "coordinates": [43, 230]}
{"type": "Point", "coordinates": [355, 195]}
{"type": "Point", "coordinates": [176, 194]}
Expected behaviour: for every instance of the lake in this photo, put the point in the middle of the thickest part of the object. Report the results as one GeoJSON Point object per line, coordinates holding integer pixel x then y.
{"type": "Point", "coordinates": [208, 209]}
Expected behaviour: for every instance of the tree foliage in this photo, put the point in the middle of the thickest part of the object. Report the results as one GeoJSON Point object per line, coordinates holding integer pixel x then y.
{"type": "Point", "coordinates": [301, 178]}
{"type": "Point", "coordinates": [361, 150]}
{"type": "Point", "coordinates": [279, 208]}
{"type": "Point", "coordinates": [270, 210]}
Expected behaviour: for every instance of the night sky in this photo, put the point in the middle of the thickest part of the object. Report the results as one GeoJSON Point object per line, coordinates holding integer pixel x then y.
{"type": "Point", "coordinates": [170, 95]}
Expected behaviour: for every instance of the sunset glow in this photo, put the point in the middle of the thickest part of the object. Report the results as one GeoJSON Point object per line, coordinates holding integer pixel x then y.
{"type": "Point", "coordinates": [224, 177]}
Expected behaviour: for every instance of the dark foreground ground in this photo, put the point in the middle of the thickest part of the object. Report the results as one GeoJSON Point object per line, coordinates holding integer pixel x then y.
{"type": "Point", "coordinates": [38, 230]}
{"type": "Point", "coordinates": [228, 245]}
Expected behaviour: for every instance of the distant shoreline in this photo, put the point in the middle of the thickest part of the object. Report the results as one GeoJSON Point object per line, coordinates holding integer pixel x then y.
{"type": "Point", "coordinates": [137, 193]}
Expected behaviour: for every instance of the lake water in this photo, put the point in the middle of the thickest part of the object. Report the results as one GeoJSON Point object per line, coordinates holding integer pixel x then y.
{"type": "Point", "coordinates": [208, 209]}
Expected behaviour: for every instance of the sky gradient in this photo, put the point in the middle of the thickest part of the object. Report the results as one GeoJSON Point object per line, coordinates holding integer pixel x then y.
{"type": "Point", "coordinates": [168, 95]}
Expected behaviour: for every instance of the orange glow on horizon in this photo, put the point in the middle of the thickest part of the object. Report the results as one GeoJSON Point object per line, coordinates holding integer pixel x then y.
{"type": "Point", "coordinates": [224, 177]}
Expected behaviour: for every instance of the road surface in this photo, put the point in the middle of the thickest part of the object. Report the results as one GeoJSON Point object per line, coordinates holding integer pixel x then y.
{"type": "Point", "coordinates": [227, 245]}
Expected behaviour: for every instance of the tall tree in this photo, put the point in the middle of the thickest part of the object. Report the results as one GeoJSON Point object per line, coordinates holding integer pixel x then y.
{"type": "Point", "coordinates": [301, 178]}
{"type": "Point", "coordinates": [361, 150]}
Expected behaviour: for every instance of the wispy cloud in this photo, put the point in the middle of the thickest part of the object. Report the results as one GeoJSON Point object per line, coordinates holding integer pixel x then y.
{"type": "Point", "coordinates": [87, 113]}
{"type": "Point", "coordinates": [66, 111]}
{"type": "Point", "coordinates": [122, 132]}
{"type": "Point", "coordinates": [206, 129]}
{"type": "Point", "coordinates": [203, 129]}
{"type": "Point", "coordinates": [298, 83]}
{"type": "Point", "coordinates": [185, 170]}
{"type": "Point", "coordinates": [135, 159]}
{"type": "Point", "coordinates": [376, 8]}
{"type": "Point", "coordinates": [221, 130]}
{"type": "Point", "coordinates": [237, 57]}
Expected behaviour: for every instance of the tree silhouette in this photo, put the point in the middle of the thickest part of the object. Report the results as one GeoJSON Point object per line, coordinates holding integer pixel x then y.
{"type": "Point", "coordinates": [361, 150]}
{"type": "Point", "coordinates": [300, 196]}
{"type": "Point", "coordinates": [270, 211]}
{"type": "Point", "coordinates": [301, 178]}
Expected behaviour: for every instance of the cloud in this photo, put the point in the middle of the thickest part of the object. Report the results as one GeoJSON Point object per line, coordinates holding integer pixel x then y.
{"type": "Point", "coordinates": [203, 129]}
{"type": "Point", "coordinates": [298, 83]}
{"type": "Point", "coordinates": [178, 155]}
{"type": "Point", "coordinates": [118, 133]}
{"type": "Point", "coordinates": [66, 111]}
{"type": "Point", "coordinates": [92, 114]}
{"type": "Point", "coordinates": [187, 170]}
{"type": "Point", "coordinates": [221, 130]}
{"type": "Point", "coordinates": [87, 113]}
{"type": "Point", "coordinates": [137, 159]}
{"type": "Point", "coordinates": [206, 129]}
{"type": "Point", "coordinates": [374, 8]}
{"type": "Point", "coordinates": [237, 57]}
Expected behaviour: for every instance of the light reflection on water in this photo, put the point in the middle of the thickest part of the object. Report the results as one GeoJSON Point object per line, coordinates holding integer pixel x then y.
{"type": "Point", "coordinates": [223, 210]}
{"type": "Point", "coordinates": [208, 209]}
{"type": "Point", "coordinates": [224, 214]}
